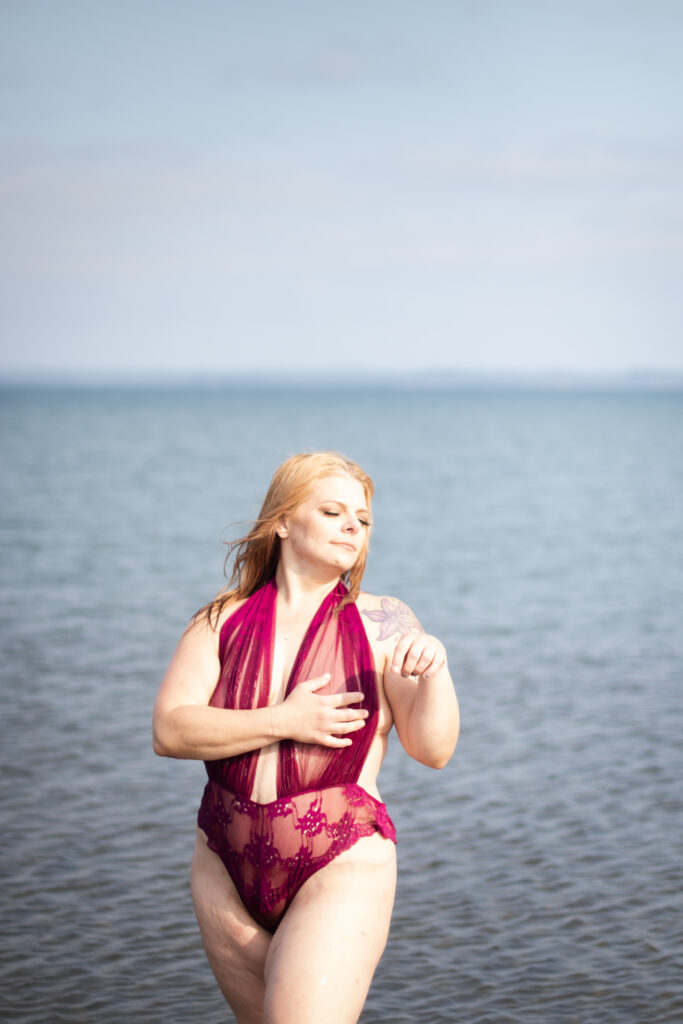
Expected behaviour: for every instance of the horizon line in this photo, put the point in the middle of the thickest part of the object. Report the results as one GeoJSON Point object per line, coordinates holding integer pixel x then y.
{"type": "Point", "coordinates": [435, 378]}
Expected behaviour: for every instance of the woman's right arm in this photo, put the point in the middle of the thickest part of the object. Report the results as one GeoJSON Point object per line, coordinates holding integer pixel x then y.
{"type": "Point", "coordinates": [184, 725]}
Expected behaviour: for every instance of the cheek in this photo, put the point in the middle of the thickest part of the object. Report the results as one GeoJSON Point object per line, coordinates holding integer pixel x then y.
{"type": "Point", "coordinates": [304, 534]}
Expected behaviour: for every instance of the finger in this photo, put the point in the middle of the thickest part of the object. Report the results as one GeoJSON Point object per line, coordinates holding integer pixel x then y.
{"type": "Point", "coordinates": [351, 714]}
{"type": "Point", "coordinates": [327, 740]}
{"type": "Point", "coordinates": [401, 650]}
{"type": "Point", "coordinates": [334, 741]}
{"type": "Point", "coordinates": [340, 717]}
{"type": "Point", "coordinates": [319, 682]}
{"type": "Point", "coordinates": [340, 700]}
{"type": "Point", "coordinates": [437, 664]}
{"type": "Point", "coordinates": [425, 664]}
{"type": "Point", "coordinates": [413, 656]}
{"type": "Point", "coordinates": [424, 654]}
{"type": "Point", "coordinates": [344, 727]}
{"type": "Point", "coordinates": [437, 653]}
{"type": "Point", "coordinates": [341, 730]}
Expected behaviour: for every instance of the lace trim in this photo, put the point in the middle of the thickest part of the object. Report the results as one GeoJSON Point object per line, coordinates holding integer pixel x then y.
{"type": "Point", "coordinates": [270, 850]}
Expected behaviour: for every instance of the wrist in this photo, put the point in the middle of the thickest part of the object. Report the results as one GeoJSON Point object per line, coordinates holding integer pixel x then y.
{"type": "Point", "coordinates": [276, 722]}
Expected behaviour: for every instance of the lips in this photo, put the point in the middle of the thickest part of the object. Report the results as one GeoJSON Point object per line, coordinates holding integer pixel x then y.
{"type": "Point", "coordinates": [343, 544]}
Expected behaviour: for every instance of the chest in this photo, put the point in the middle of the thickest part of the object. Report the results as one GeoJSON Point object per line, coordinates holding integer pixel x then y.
{"type": "Point", "coordinates": [287, 641]}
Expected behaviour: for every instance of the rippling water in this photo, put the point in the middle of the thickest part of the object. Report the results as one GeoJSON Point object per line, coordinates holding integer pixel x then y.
{"type": "Point", "coordinates": [538, 535]}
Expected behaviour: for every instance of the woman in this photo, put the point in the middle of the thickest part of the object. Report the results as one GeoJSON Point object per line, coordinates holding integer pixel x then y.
{"type": "Point", "coordinates": [287, 686]}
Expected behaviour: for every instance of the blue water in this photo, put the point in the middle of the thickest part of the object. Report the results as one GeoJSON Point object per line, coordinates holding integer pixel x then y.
{"type": "Point", "coordinates": [539, 535]}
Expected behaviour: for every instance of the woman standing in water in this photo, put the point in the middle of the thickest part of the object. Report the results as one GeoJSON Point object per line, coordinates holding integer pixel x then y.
{"type": "Point", "coordinates": [287, 686]}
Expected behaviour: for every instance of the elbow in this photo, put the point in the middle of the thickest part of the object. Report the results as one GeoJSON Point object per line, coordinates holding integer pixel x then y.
{"type": "Point", "coordinates": [161, 739]}
{"type": "Point", "coordinates": [158, 745]}
{"type": "Point", "coordinates": [436, 760]}
{"type": "Point", "coordinates": [438, 755]}
{"type": "Point", "coordinates": [445, 751]}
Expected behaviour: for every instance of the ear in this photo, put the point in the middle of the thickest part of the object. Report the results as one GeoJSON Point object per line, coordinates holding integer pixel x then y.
{"type": "Point", "coordinates": [282, 530]}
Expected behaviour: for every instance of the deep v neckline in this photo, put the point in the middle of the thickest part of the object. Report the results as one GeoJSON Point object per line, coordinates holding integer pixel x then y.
{"type": "Point", "coordinates": [310, 631]}
{"type": "Point", "coordinates": [336, 642]}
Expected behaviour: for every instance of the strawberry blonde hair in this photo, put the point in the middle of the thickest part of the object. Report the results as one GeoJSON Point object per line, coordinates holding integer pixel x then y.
{"type": "Point", "coordinates": [257, 553]}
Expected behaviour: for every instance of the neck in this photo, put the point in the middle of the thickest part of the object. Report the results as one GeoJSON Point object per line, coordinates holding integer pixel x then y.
{"type": "Point", "coordinates": [296, 588]}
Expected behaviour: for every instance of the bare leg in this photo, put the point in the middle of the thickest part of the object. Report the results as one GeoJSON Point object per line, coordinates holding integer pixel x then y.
{"type": "Point", "coordinates": [325, 951]}
{"type": "Point", "coordinates": [236, 947]}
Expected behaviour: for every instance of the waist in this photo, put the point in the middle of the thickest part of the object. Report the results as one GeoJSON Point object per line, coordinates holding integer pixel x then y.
{"type": "Point", "coordinates": [350, 790]}
{"type": "Point", "coordinates": [313, 809]}
{"type": "Point", "coordinates": [287, 768]}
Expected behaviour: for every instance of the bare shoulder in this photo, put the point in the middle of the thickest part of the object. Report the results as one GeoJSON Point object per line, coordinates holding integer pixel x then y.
{"type": "Point", "coordinates": [386, 619]}
{"type": "Point", "coordinates": [194, 667]}
{"type": "Point", "coordinates": [227, 611]}
{"type": "Point", "coordinates": [204, 626]}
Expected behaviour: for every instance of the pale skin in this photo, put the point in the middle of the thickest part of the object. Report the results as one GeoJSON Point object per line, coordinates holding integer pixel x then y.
{"type": "Point", "coordinates": [319, 963]}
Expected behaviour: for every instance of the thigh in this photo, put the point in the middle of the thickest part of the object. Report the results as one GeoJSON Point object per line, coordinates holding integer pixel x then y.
{"type": "Point", "coordinates": [236, 946]}
{"type": "Point", "coordinates": [325, 951]}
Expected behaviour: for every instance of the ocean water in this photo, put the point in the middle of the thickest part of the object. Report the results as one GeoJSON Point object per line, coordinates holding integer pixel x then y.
{"type": "Point", "coordinates": [539, 535]}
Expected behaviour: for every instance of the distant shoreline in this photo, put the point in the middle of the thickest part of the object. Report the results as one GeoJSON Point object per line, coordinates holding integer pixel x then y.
{"type": "Point", "coordinates": [646, 380]}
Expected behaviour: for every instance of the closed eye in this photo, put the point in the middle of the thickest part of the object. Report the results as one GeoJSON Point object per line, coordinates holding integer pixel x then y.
{"type": "Point", "coordinates": [331, 512]}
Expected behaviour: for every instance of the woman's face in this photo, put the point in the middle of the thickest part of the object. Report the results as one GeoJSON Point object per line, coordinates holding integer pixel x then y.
{"type": "Point", "coordinates": [331, 526]}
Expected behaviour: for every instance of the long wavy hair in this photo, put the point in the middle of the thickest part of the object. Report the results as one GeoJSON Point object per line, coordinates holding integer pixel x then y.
{"type": "Point", "coordinates": [256, 555]}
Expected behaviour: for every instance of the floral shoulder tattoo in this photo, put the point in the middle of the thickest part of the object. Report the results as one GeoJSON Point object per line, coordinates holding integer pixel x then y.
{"type": "Point", "coordinates": [394, 617]}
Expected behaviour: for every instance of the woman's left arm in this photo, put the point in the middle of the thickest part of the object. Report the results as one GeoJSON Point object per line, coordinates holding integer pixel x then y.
{"type": "Point", "coordinates": [420, 691]}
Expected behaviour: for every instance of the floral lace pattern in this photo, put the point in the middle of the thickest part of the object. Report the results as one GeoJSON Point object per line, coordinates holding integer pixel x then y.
{"type": "Point", "coordinates": [270, 850]}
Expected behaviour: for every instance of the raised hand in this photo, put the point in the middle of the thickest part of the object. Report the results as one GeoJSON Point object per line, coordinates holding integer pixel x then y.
{"type": "Point", "coordinates": [418, 654]}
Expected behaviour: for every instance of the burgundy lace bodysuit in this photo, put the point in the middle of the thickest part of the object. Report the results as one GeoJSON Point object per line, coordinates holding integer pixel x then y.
{"type": "Point", "coordinates": [269, 850]}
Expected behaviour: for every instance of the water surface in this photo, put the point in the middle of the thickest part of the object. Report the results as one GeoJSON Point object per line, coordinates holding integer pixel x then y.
{"type": "Point", "coordinates": [537, 534]}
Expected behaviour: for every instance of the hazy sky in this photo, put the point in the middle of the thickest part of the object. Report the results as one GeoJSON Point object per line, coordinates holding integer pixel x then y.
{"type": "Point", "coordinates": [193, 186]}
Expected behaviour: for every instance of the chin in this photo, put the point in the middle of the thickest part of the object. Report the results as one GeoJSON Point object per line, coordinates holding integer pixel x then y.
{"type": "Point", "coordinates": [343, 565]}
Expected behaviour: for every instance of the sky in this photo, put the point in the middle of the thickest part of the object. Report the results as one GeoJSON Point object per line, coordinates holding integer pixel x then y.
{"type": "Point", "coordinates": [206, 187]}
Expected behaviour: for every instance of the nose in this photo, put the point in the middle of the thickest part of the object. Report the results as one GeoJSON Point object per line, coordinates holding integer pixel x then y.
{"type": "Point", "coordinates": [352, 525]}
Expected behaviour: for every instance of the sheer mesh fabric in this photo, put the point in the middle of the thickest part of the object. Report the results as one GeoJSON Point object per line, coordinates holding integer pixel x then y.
{"type": "Point", "coordinates": [334, 643]}
{"type": "Point", "coordinates": [270, 849]}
